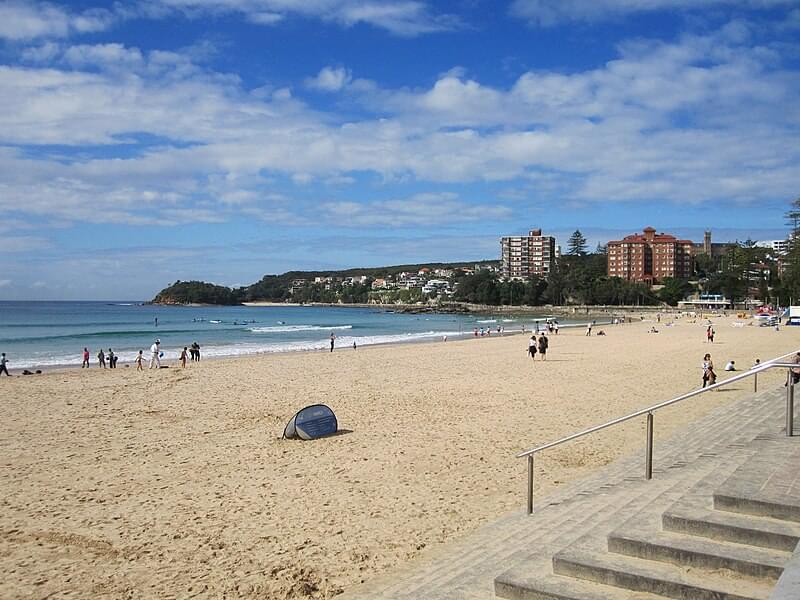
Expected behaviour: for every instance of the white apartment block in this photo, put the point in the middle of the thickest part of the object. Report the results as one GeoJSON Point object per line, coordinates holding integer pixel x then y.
{"type": "Point", "coordinates": [527, 256]}
{"type": "Point", "coordinates": [778, 247]}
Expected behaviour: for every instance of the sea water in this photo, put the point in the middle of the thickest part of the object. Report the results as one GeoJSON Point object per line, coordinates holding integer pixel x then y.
{"type": "Point", "coordinates": [48, 334]}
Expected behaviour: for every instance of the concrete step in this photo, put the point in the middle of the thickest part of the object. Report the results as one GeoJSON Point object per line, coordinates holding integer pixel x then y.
{"type": "Point", "coordinates": [694, 516]}
{"type": "Point", "coordinates": [754, 506]}
{"type": "Point", "coordinates": [768, 484]}
{"type": "Point", "coordinates": [537, 582]}
{"type": "Point", "coordinates": [534, 577]}
{"type": "Point", "coordinates": [658, 578]}
{"type": "Point", "coordinates": [691, 551]}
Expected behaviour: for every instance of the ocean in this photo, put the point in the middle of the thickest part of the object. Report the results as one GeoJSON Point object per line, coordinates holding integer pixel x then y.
{"type": "Point", "coordinates": [53, 334]}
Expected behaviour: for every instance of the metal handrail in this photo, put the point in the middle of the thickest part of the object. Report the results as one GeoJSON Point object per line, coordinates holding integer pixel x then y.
{"type": "Point", "coordinates": [753, 372]}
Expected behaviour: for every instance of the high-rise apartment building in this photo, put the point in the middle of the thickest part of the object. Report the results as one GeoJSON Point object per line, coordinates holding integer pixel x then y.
{"type": "Point", "coordinates": [529, 255]}
{"type": "Point", "coordinates": [650, 257]}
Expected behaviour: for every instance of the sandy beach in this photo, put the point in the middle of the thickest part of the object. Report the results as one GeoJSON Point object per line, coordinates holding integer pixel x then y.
{"type": "Point", "coordinates": [176, 483]}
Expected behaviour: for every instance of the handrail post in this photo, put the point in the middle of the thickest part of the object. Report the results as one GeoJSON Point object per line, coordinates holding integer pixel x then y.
{"type": "Point", "coordinates": [530, 484]}
{"type": "Point", "coordinates": [790, 405]}
{"type": "Point", "coordinates": [648, 454]}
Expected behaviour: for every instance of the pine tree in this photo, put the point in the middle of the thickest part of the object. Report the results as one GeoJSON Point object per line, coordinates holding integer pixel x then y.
{"type": "Point", "coordinates": [793, 217]}
{"type": "Point", "coordinates": [577, 244]}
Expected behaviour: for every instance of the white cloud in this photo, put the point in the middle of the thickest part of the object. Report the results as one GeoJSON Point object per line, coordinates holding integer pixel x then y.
{"type": "Point", "coordinates": [400, 17]}
{"type": "Point", "coordinates": [551, 12]}
{"type": "Point", "coordinates": [20, 20]}
{"type": "Point", "coordinates": [703, 118]}
{"type": "Point", "coordinates": [108, 55]}
{"type": "Point", "coordinates": [22, 243]}
{"type": "Point", "coordinates": [421, 209]}
{"type": "Point", "coordinates": [330, 79]}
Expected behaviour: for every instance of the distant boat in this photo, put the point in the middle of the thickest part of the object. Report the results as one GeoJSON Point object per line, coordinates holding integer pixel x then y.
{"type": "Point", "coordinates": [215, 321]}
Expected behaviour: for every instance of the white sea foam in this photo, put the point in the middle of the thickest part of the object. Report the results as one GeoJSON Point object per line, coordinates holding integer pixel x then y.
{"type": "Point", "coordinates": [291, 328]}
{"type": "Point", "coordinates": [487, 321]}
{"type": "Point", "coordinates": [243, 349]}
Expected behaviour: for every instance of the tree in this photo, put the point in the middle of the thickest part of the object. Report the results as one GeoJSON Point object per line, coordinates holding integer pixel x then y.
{"type": "Point", "coordinates": [793, 217]}
{"type": "Point", "coordinates": [576, 244]}
{"type": "Point", "coordinates": [674, 290]}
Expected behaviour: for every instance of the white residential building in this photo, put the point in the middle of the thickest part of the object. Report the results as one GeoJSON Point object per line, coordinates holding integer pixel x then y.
{"type": "Point", "coordinates": [527, 256]}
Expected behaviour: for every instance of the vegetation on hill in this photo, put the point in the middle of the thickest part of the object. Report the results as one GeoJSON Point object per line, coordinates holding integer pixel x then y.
{"type": "Point", "coordinates": [286, 287]}
{"type": "Point", "coordinates": [196, 292]}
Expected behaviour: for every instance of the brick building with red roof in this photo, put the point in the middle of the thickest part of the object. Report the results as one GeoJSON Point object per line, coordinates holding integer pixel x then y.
{"type": "Point", "coordinates": [649, 257]}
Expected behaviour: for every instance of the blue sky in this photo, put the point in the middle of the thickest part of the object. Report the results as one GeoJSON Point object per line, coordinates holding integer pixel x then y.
{"type": "Point", "coordinates": [147, 141]}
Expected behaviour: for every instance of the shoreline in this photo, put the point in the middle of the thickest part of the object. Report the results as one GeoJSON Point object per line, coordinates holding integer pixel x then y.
{"type": "Point", "coordinates": [174, 361]}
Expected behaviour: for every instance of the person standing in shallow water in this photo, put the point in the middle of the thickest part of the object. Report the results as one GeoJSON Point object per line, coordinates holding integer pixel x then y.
{"type": "Point", "coordinates": [333, 340]}
{"type": "Point", "coordinates": [101, 359]}
{"type": "Point", "coordinates": [85, 363]}
{"type": "Point", "coordinates": [3, 367]}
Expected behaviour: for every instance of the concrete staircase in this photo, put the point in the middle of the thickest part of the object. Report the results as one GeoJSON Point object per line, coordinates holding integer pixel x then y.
{"type": "Point", "coordinates": [716, 521]}
{"type": "Point", "coordinates": [728, 536]}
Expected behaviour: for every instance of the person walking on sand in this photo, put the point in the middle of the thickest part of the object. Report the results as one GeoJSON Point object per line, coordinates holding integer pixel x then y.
{"type": "Point", "coordinates": [709, 376]}
{"type": "Point", "coordinates": [555, 327]}
{"type": "Point", "coordinates": [196, 347]}
{"type": "Point", "coordinates": [709, 334]}
{"type": "Point", "coordinates": [101, 359]}
{"type": "Point", "coordinates": [155, 359]}
{"type": "Point", "coordinates": [333, 340]}
{"type": "Point", "coordinates": [588, 329]}
{"type": "Point", "coordinates": [3, 362]}
{"type": "Point", "coordinates": [543, 344]}
{"type": "Point", "coordinates": [85, 363]}
{"type": "Point", "coordinates": [139, 361]}
{"type": "Point", "coordinates": [532, 347]}
{"type": "Point", "coordinates": [183, 358]}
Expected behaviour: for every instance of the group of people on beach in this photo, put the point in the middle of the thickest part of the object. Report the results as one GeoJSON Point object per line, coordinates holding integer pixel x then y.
{"type": "Point", "coordinates": [102, 358]}
{"type": "Point", "coordinates": [156, 354]}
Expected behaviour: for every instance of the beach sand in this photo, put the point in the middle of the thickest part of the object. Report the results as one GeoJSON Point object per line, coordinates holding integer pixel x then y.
{"type": "Point", "coordinates": [177, 484]}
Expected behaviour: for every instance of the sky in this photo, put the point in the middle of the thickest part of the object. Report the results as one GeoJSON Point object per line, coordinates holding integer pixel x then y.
{"type": "Point", "coordinates": [146, 141]}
